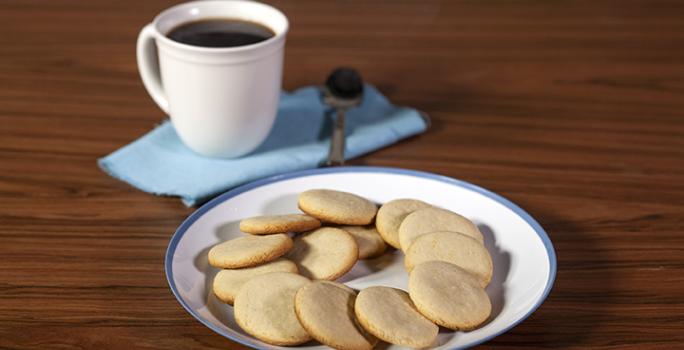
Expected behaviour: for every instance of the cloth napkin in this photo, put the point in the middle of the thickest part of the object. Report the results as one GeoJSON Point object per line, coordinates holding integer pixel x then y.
{"type": "Point", "coordinates": [159, 163]}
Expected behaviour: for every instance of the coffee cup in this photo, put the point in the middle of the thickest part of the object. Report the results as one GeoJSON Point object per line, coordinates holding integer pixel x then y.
{"type": "Point", "coordinates": [214, 69]}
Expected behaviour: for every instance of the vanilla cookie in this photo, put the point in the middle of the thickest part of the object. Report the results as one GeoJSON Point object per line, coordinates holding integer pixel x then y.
{"type": "Point", "coordinates": [434, 219]}
{"type": "Point", "coordinates": [264, 308]}
{"type": "Point", "coordinates": [390, 216]}
{"type": "Point", "coordinates": [325, 253]}
{"type": "Point", "coordinates": [326, 310]}
{"type": "Point", "coordinates": [337, 207]}
{"type": "Point", "coordinates": [389, 314]}
{"type": "Point", "coordinates": [270, 224]}
{"type": "Point", "coordinates": [249, 251]}
{"type": "Point", "coordinates": [227, 283]}
{"type": "Point", "coordinates": [448, 295]}
{"type": "Point", "coordinates": [368, 239]}
{"type": "Point", "coordinates": [452, 247]}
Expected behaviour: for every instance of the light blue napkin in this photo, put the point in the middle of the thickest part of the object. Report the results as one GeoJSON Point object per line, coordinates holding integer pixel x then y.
{"type": "Point", "coordinates": [159, 163]}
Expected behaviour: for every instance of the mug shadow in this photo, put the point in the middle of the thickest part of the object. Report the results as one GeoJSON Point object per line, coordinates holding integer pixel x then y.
{"type": "Point", "coordinates": [287, 131]}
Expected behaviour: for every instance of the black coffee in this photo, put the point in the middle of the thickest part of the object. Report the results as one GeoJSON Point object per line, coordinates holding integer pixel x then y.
{"type": "Point", "coordinates": [220, 33]}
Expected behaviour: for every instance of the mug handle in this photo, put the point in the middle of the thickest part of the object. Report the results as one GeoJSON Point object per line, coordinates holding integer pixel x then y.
{"type": "Point", "coordinates": [148, 66]}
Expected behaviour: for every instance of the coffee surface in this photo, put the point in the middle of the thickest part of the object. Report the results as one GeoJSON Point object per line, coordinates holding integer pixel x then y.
{"type": "Point", "coordinates": [221, 32]}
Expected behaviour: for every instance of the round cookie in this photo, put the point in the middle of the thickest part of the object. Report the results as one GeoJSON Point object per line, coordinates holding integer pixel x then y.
{"type": "Point", "coordinates": [448, 295]}
{"type": "Point", "coordinates": [390, 216]}
{"type": "Point", "coordinates": [434, 219]}
{"type": "Point", "coordinates": [326, 310]}
{"type": "Point", "coordinates": [452, 247]}
{"type": "Point", "coordinates": [270, 224]}
{"type": "Point", "coordinates": [325, 253]}
{"type": "Point", "coordinates": [227, 283]}
{"type": "Point", "coordinates": [264, 308]}
{"type": "Point", "coordinates": [368, 239]}
{"type": "Point", "coordinates": [249, 251]}
{"type": "Point", "coordinates": [389, 314]}
{"type": "Point", "coordinates": [337, 207]}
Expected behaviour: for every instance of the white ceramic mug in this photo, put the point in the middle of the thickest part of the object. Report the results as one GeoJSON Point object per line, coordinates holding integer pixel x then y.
{"type": "Point", "coordinates": [222, 101]}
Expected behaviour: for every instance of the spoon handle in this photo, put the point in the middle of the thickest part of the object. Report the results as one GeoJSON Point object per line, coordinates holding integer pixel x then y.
{"type": "Point", "coordinates": [336, 155]}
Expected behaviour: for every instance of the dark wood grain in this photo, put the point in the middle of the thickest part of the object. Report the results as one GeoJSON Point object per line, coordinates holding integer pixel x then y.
{"type": "Point", "coordinates": [572, 109]}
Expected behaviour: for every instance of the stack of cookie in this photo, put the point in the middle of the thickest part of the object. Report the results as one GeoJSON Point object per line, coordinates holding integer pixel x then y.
{"type": "Point", "coordinates": [280, 277]}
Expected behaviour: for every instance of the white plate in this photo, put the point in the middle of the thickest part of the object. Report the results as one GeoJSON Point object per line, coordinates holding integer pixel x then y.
{"type": "Point", "coordinates": [524, 259]}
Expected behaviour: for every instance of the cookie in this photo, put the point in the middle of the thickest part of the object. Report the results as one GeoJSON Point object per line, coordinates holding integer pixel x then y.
{"type": "Point", "coordinates": [227, 283]}
{"type": "Point", "coordinates": [391, 214]}
{"type": "Point", "coordinates": [325, 253]}
{"type": "Point", "coordinates": [337, 207]}
{"type": "Point", "coordinates": [454, 248]}
{"type": "Point", "coordinates": [326, 310]}
{"type": "Point", "coordinates": [368, 239]}
{"type": "Point", "coordinates": [448, 295]}
{"type": "Point", "coordinates": [270, 224]}
{"type": "Point", "coordinates": [264, 308]}
{"type": "Point", "coordinates": [434, 219]}
{"type": "Point", "coordinates": [389, 314]}
{"type": "Point", "coordinates": [249, 251]}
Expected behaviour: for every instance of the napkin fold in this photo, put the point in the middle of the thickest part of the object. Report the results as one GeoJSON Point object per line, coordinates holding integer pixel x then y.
{"type": "Point", "coordinates": [161, 164]}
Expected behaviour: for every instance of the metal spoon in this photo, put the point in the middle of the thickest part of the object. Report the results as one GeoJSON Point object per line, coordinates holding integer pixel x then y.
{"type": "Point", "coordinates": [342, 90]}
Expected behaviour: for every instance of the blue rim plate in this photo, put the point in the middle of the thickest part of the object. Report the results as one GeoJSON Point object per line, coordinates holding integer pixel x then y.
{"type": "Point", "coordinates": [182, 229]}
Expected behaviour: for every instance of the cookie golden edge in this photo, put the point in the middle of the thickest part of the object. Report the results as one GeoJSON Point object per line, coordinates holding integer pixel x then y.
{"type": "Point", "coordinates": [347, 267]}
{"type": "Point", "coordinates": [255, 226]}
{"type": "Point", "coordinates": [409, 265]}
{"type": "Point", "coordinates": [452, 326]}
{"type": "Point", "coordinates": [350, 262]}
{"type": "Point", "coordinates": [383, 227]}
{"type": "Point", "coordinates": [333, 343]}
{"type": "Point", "coordinates": [405, 242]}
{"type": "Point", "coordinates": [385, 337]}
{"type": "Point", "coordinates": [326, 217]}
{"type": "Point", "coordinates": [257, 259]}
{"type": "Point", "coordinates": [228, 298]}
{"type": "Point", "coordinates": [379, 250]}
{"type": "Point", "coordinates": [271, 340]}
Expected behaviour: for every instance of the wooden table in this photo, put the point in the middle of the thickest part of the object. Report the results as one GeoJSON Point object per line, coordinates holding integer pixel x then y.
{"type": "Point", "coordinates": [572, 109]}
